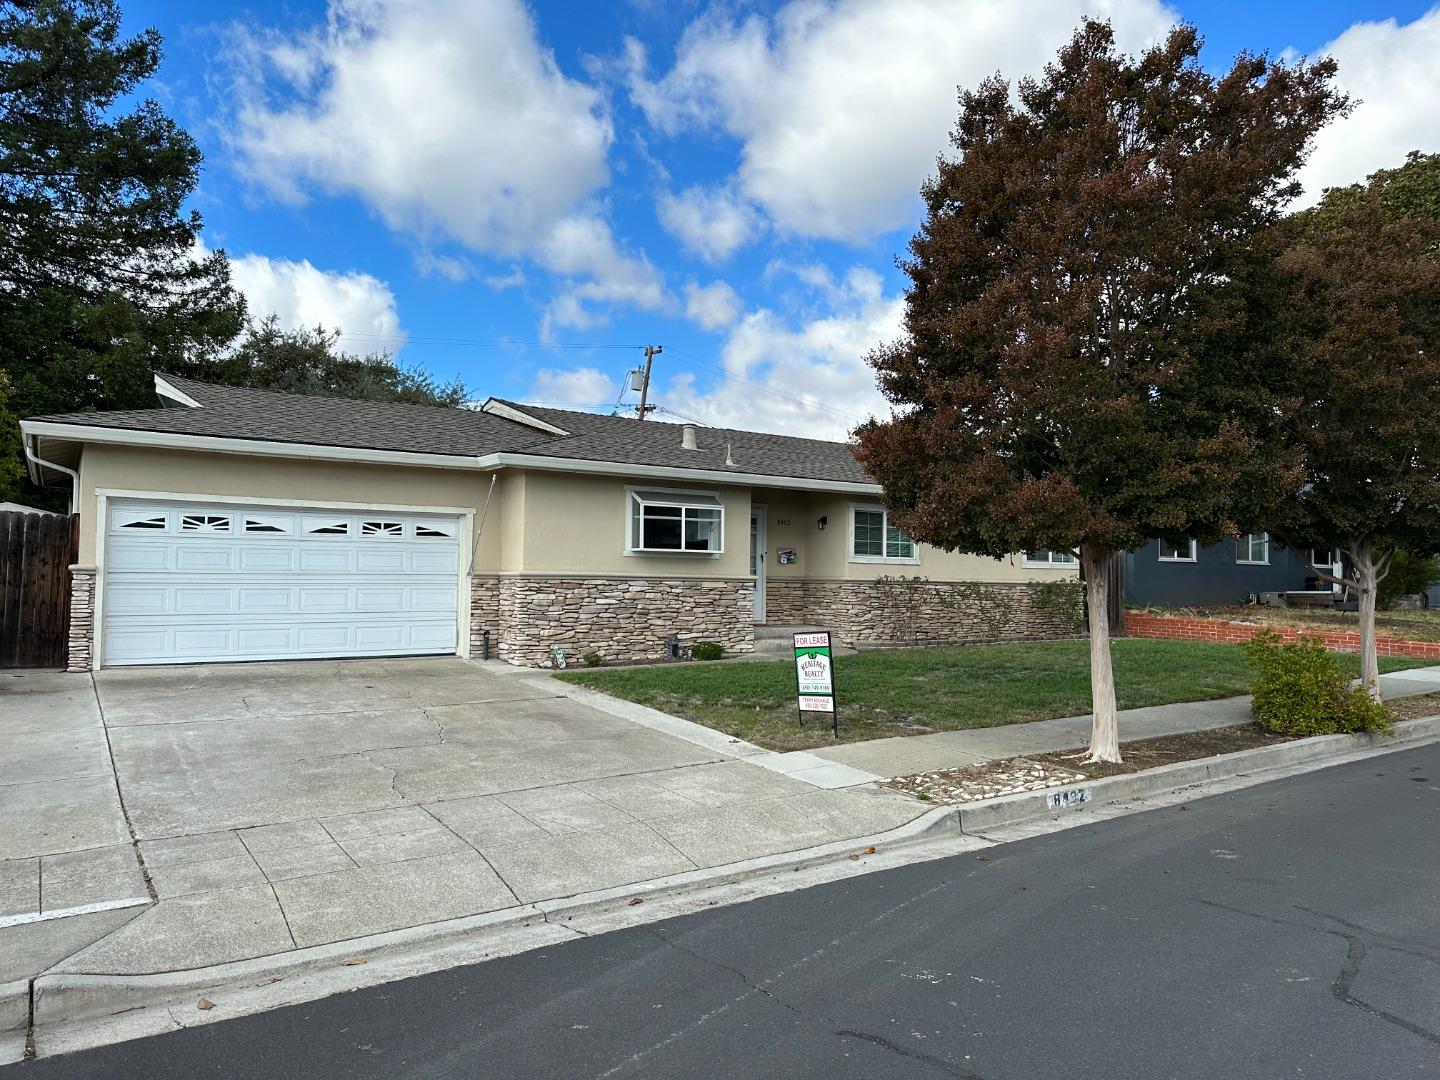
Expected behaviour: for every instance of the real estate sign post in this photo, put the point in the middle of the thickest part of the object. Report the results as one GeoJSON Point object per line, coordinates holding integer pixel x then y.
{"type": "Point", "coordinates": [815, 677]}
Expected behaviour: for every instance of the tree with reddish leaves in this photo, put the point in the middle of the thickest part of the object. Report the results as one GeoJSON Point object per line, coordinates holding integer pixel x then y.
{"type": "Point", "coordinates": [1080, 368]}
{"type": "Point", "coordinates": [1361, 338]}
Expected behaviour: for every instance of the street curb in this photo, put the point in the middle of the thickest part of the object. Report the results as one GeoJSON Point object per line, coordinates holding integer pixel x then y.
{"type": "Point", "coordinates": [14, 1006]}
{"type": "Point", "coordinates": [977, 817]}
{"type": "Point", "coordinates": [64, 999]}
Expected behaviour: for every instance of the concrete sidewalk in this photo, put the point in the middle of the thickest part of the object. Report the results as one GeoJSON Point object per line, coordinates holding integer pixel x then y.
{"type": "Point", "coordinates": [905, 755]}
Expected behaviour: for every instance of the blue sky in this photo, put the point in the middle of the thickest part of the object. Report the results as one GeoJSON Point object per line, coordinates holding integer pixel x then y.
{"type": "Point", "coordinates": [730, 181]}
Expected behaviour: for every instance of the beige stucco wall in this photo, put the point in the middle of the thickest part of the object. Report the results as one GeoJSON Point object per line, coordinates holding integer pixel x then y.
{"type": "Point", "coordinates": [578, 525]}
{"type": "Point", "coordinates": [240, 477]}
{"type": "Point", "coordinates": [791, 522]}
{"type": "Point", "coordinates": [537, 522]}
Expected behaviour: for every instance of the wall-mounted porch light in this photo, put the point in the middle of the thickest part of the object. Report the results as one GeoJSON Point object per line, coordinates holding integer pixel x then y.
{"type": "Point", "coordinates": [821, 522]}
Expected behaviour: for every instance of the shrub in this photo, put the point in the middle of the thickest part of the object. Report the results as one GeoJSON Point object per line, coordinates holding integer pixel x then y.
{"type": "Point", "coordinates": [1408, 574]}
{"type": "Point", "coordinates": [593, 659]}
{"type": "Point", "coordinates": [707, 650]}
{"type": "Point", "coordinates": [1300, 689]}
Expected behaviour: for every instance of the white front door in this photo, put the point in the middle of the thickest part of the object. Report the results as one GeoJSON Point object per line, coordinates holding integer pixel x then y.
{"type": "Point", "coordinates": [222, 582]}
{"type": "Point", "coordinates": [757, 559]}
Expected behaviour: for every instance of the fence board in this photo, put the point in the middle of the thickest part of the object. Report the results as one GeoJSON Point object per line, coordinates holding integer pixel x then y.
{"type": "Point", "coordinates": [36, 551]}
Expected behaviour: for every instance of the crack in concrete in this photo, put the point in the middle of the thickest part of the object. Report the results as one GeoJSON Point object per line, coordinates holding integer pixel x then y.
{"type": "Point", "coordinates": [763, 989]}
{"type": "Point", "coordinates": [1356, 949]}
{"type": "Point", "coordinates": [914, 1055]}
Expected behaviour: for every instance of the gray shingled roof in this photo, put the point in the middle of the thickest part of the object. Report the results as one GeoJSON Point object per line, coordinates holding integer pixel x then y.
{"type": "Point", "coordinates": [232, 412]}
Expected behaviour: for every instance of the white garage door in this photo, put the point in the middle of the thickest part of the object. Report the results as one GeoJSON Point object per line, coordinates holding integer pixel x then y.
{"type": "Point", "coordinates": [191, 582]}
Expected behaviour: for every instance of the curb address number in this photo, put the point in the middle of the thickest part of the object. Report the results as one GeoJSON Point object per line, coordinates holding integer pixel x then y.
{"type": "Point", "coordinates": [1056, 800]}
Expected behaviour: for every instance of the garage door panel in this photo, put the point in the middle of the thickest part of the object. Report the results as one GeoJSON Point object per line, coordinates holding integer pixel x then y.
{"type": "Point", "coordinates": [380, 562]}
{"type": "Point", "coordinates": [191, 600]}
{"type": "Point", "coordinates": [229, 582]}
{"type": "Point", "coordinates": [126, 556]}
{"type": "Point", "coordinates": [202, 557]}
{"type": "Point", "coordinates": [319, 560]}
{"type": "Point", "coordinates": [256, 557]}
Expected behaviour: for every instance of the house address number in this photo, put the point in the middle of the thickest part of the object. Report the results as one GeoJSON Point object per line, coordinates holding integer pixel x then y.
{"type": "Point", "coordinates": [782, 523]}
{"type": "Point", "coordinates": [1056, 800]}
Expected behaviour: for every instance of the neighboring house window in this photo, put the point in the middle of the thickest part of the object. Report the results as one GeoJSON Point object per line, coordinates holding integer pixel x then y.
{"type": "Point", "coordinates": [666, 521]}
{"type": "Point", "coordinates": [1253, 548]}
{"type": "Point", "coordinates": [874, 539]}
{"type": "Point", "coordinates": [1184, 553]}
{"type": "Point", "coordinates": [1045, 557]}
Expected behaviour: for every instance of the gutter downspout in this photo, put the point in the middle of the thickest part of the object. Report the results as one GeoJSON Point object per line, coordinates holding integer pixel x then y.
{"type": "Point", "coordinates": [36, 459]}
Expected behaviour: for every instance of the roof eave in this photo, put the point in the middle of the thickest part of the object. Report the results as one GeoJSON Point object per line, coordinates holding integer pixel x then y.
{"type": "Point", "coordinates": [80, 433]}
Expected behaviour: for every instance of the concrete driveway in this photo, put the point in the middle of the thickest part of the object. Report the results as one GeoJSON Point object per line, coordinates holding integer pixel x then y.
{"type": "Point", "coordinates": [171, 818]}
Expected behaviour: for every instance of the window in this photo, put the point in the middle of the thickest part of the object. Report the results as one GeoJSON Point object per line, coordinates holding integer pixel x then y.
{"type": "Point", "coordinates": [265, 523]}
{"type": "Point", "coordinates": [382, 528]}
{"type": "Point", "coordinates": [1046, 557]}
{"type": "Point", "coordinates": [874, 539]}
{"type": "Point", "coordinates": [434, 529]}
{"type": "Point", "coordinates": [1185, 552]}
{"type": "Point", "coordinates": [327, 527]}
{"type": "Point", "coordinates": [155, 521]}
{"type": "Point", "coordinates": [1253, 548]}
{"type": "Point", "coordinates": [205, 523]}
{"type": "Point", "coordinates": [676, 521]}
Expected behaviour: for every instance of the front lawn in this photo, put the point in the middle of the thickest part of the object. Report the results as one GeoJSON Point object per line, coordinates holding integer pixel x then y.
{"type": "Point", "coordinates": [910, 691]}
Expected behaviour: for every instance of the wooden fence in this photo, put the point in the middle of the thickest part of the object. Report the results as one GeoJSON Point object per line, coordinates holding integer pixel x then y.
{"type": "Point", "coordinates": [36, 552]}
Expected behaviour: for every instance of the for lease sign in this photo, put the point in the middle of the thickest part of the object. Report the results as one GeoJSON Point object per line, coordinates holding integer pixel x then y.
{"type": "Point", "coordinates": [815, 675]}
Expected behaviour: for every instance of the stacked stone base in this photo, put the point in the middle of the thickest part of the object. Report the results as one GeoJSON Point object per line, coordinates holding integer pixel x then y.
{"type": "Point", "coordinates": [81, 646]}
{"type": "Point", "coordinates": [876, 614]}
{"type": "Point", "coordinates": [619, 619]}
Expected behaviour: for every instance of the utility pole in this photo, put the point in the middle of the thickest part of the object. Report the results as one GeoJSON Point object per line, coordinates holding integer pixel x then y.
{"type": "Point", "coordinates": [644, 408]}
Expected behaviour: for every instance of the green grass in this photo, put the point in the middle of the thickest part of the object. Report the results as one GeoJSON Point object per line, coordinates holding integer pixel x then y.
{"type": "Point", "coordinates": [974, 686]}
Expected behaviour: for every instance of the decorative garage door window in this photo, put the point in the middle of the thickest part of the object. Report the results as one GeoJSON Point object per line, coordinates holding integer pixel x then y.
{"type": "Point", "coordinates": [675, 521]}
{"type": "Point", "coordinates": [192, 582]}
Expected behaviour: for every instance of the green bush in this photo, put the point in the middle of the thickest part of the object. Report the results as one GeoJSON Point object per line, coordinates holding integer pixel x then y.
{"type": "Point", "coordinates": [707, 650]}
{"type": "Point", "coordinates": [1300, 690]}
{"type": "Point", "coordinates": [593, 659]}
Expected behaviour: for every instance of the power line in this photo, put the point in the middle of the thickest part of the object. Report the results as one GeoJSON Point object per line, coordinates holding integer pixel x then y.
{"type": "Point", "coordinates": [497, 344]}
{"type": "Point", "coordinates": [808, 402]}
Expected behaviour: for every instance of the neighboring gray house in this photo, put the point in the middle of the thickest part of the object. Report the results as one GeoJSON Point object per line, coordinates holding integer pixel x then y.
{"type": "Point", "coordinates": [1161, 574]}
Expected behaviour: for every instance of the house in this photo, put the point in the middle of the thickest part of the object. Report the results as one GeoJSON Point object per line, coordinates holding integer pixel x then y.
{"type": "Point", "coordinates": [235, 524]}
{"type": "Point", "coordinates": [1164, 574]}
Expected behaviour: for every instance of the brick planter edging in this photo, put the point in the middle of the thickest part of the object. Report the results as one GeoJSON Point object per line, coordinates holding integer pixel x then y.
{"type": "Point", "coordinates": [1139, 624]}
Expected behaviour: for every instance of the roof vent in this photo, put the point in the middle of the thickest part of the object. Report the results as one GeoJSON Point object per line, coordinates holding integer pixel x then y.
{"type": "Point", "coordinates": [687, 437]}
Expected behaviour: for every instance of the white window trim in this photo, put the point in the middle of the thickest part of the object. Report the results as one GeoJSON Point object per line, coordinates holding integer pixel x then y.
{"type": "Point", "coordinates": [1051, 563]}
{"type": "Point", "coordinates": [1246, 541]}
{"type": "Point", "coordinates": [664, 553]}
{"type": "Point", "coordinates": [850, 556]}
{"type": "Point", "coordinates": [1194, 548]}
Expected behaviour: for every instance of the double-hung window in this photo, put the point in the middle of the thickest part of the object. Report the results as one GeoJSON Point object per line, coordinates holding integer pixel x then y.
{"type": "Point", "coordinates": [874, 539]}
{"type": "Point", "coordinates": [1182, 552]}
{"type": "Point", "coordinates": [1046, 557]}
{"type": "Point", "coordinates": [1253, 548]}
{"type": "Point", "coordinates": [674, 521]}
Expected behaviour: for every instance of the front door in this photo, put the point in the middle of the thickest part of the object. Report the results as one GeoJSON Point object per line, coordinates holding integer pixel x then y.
{"type": "Point", "coordinates": [757, 559]}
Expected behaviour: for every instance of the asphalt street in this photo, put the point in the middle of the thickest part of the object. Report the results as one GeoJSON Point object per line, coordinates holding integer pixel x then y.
{"type": "Point", "coordinates": [1288, 930]}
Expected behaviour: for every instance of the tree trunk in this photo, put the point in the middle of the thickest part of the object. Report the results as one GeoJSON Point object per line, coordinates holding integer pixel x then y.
{"type": "Point", "coordinates": [1104, 731]}
{"type": "Point", "coordinates": [1367, 578]}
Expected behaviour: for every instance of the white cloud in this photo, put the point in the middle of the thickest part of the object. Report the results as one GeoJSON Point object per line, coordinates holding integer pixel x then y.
{"type": "Point", "coordinates": [446, 116]}
{"type": "Point", "coordinates": [798, 377]}
{"type": "Point", "coordinates": [710, 222]}
{"type": "Point", "coordinates": [711, 307]}
{"type": "Point", "coordinates": [578, 386]}
{"type": "Point", "coordinates": [842, 107]}
{"type": "Point", "coordinates": [359, 305]}
{"type": "Point", "coordinates": [1391, 69]}
{"type": "Point", "coordinates": [582, 250]}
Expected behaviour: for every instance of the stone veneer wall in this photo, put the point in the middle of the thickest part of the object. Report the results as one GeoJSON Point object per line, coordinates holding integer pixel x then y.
{"type": "Point", "coordinates": [82, 618]}
{"type": "Point", "coordinates": [874, 613]}
{"type": "Point", "coordinates": [622, 619]}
